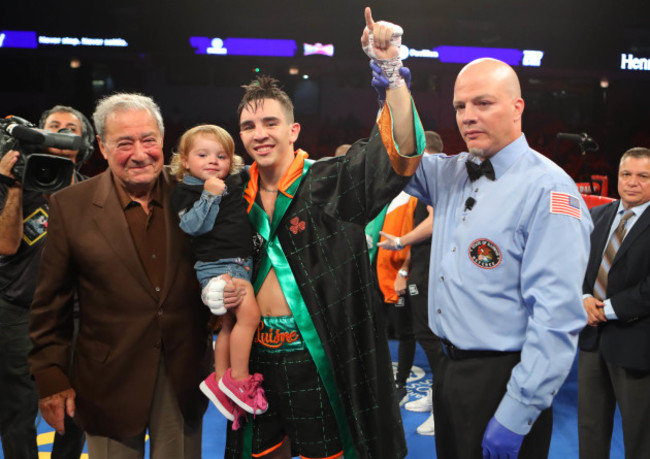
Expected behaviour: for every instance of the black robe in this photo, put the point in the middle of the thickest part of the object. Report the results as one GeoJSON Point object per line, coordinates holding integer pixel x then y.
{"type": "Point", "coordinates": [322, 237]}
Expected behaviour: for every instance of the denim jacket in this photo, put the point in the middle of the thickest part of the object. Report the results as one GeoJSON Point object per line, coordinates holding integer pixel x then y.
{"type": "Point", "coordinates": [201, 217]}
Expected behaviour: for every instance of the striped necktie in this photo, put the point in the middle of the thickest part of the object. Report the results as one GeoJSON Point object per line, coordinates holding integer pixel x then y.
{"type": "Point", "coordinates": [600, 287]}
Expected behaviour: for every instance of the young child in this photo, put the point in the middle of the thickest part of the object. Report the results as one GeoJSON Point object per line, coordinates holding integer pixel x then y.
{"type": "Point", "coordinates": [212, 211]}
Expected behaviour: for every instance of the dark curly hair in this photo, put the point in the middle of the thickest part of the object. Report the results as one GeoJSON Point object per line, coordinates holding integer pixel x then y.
{"type": "Point", "coordinates": [265, 87]}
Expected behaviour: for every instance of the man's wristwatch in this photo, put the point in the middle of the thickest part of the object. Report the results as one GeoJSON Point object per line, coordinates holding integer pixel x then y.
{"type": "Point", "coordinates": [398, 243]}
{"type": "Point", "coordinates": [403, 273]}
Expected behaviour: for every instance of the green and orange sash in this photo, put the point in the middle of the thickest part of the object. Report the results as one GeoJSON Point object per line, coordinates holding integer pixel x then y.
{"type": "Point", "coordinates": [273, 257]}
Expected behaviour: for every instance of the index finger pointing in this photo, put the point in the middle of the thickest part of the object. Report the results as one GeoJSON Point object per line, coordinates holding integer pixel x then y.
{"type": "Point", "coordinates": [369, 21]}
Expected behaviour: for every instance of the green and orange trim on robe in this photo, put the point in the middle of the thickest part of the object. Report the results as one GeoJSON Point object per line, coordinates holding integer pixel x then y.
{"type": "Point", "coordinates": [295, 172]}
{"type": "Point", "coordinates": [402, 165]}
{"type": "Point", "coordinates": [273, 448]}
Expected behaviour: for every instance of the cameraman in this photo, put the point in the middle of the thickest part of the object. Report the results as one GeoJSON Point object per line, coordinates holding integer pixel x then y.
{"type": "Point", "coordinates": [23, 227]}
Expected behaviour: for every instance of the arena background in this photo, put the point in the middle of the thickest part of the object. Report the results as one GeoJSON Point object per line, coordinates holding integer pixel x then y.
{"type": "Point", "coordinates": [579, 87]}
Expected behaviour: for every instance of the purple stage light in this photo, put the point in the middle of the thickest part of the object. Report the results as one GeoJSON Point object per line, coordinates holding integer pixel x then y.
{"type": "Point", "coordinates": [18, 39]}
{"type": "Point", "coordinates": [244, 46]}
{"type": "Point", "coordinates": [466, 54]}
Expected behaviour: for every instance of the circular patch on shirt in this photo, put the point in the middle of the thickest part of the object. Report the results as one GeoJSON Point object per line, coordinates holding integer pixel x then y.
{"type": "Point", "coordinates": [484, 253]}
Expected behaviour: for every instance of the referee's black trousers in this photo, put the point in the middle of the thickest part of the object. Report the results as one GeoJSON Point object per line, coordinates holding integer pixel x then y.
{"type": "Point", "coordinates": [466, 395]}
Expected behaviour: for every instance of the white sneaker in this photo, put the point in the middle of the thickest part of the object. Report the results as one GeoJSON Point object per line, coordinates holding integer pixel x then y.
{"type": "Point", "coordinates": [422, 404]}
{"type": "Point", "coordinates": [428, 427]}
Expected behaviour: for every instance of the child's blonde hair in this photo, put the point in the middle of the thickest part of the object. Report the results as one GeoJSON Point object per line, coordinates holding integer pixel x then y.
{"type": "Point", "coordinates": [185, 145]}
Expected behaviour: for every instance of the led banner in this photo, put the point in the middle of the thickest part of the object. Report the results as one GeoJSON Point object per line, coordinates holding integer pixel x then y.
{"type": "Point", "coordinates": [630, 62]}
{"type": "Point", "coordinates": [244, 46]}
{"type": "Point", "coordinates": [466, 54]}
{"type": "Point", "coordinates": [18, 39]}
{"type": "Point", "coordinates": [256, 47]}
{"type": "Point", "coordinates": [289, 48]}
{"type": "Point", "coordinates": [31, 40]}
{"type": "Point", "coordinates": [83, 41]}
{"type": "Point", "coordinates": [318, 48]}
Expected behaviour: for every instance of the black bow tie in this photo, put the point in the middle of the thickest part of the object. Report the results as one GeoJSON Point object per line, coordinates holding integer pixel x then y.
{"type": "Point", "coordinates": [476, 170]}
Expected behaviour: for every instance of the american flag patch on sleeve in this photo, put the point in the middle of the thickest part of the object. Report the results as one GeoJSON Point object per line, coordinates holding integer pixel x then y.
{"type": "Point", "coordinates": [566, 204]}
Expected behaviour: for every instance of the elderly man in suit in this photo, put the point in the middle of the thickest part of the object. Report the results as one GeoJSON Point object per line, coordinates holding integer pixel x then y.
{"type": "Point", "coordinates": [614, 359]}
{"type": "Point", "coordinates": [143, 344]}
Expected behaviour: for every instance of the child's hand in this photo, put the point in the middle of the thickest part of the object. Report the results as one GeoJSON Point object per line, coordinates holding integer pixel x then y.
{"type": "Point", "coordinates": [215, 186]}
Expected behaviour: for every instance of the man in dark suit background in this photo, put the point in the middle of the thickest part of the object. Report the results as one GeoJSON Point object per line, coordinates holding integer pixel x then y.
{"type": "Point", "coordinates": [614, 358]}
{"type": "Point", "coordinates": [143, 345]}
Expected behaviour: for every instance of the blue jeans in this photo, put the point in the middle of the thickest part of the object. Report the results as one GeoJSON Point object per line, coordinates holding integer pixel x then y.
{"type": "Point", "coordinates": [18, 396]}
{"type": "Point", "coordinates": [236, 267]}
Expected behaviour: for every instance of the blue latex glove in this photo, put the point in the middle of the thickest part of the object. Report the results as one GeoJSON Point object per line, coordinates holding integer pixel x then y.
{"type": "Point", "coordinates": [500, 442]}
{"type": "Point", "coordinates": [380, 82]}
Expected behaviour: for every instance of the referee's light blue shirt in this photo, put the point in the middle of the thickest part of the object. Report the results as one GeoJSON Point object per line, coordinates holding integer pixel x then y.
{"type": "Point", "coordinates": [507, 274]}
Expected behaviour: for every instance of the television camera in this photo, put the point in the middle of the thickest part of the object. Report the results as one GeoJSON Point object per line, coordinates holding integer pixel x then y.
{"type": "Point", "coordinates": [35, 169]}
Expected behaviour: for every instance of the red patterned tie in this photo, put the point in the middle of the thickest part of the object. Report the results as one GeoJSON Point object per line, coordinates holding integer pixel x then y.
{"type": "Point", "coordinates": [600, 287]}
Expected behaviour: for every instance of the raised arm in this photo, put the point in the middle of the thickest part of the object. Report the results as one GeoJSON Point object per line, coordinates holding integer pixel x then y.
{"type": "Point", "coordinates": [381, 41]}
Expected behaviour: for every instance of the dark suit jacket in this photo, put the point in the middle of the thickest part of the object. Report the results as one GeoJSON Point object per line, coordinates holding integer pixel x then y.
{"type": "Point", "coordinates": [624, 342]}
{"type": "Point", "coordinates": [124, 326]}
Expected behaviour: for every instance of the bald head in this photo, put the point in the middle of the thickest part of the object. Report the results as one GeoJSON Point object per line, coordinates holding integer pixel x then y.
{"type": "Point", "coordinates": [488, 104]}
{"type": "Point", "coordinates": [494, 70]}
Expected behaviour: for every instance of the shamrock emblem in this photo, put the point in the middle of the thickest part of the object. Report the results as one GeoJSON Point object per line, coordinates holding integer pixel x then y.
{"type": "Point", "coordinates": [296, 225]}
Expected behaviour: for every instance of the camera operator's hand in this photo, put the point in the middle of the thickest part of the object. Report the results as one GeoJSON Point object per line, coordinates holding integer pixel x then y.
{"type": "Point", "coordinates": [7, 163]}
